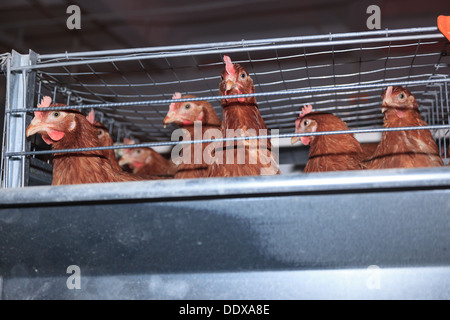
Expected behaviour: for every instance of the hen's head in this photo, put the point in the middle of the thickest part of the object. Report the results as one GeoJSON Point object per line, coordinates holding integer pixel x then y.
{"type": "Point", "coordinates": [236, 80]}
{"type": "Point", "coordinates": [304, 124]}
{"type": "Point", "coordinates": [309, 121]}
{"type": "Point", "coordinates": [186, 113]}
{"type": "Point", "coordinates": [53, 126]}
{"type": "Point", "coordinates": [398, 99]}
{"type": "Point", "coordinates": [135, 158]}
{"type": "Point", "coordinates": [104, 137]}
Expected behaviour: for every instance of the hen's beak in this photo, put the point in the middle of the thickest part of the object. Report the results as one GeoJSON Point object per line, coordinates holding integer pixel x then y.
{"type": "Point", "coordinates": [230, 85]}
{"type": "Point", "coordinates": [387, 99]}
{"type": "Point", "coordinates": [124, 160]}
{"type": "Point", "coordinates": [295, 139]}
{"type": "Point", "coordinates": [171, 117]}
{"type": "Point", "coordinates": [297, 125]}
{"type": "Point", "coordinates": [35, 126]}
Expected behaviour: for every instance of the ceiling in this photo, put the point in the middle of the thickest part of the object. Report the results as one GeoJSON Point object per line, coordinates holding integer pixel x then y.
{"type": "Point", "coordinates": [40, 25]}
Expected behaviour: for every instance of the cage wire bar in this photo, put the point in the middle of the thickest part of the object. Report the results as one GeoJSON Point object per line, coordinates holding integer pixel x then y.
{"type": "Point", "coordinates": [19, 94]}
{"type": "Point", "coordinates": [130, 90]}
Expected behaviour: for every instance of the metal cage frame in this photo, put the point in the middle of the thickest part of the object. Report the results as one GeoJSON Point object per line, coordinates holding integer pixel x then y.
{"type": "Point", "coordinates": [350, 72]}
{"type": "Point", "coordinates": [335, 91]}
{"type": "Point", "coordinates": [294, 236]}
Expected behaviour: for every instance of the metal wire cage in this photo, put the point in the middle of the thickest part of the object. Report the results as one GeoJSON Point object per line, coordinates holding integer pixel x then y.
{"type": "Point", "coordinates": [130, 90]}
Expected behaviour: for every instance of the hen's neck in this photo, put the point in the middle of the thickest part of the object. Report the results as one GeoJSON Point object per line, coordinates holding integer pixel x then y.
{"type": "Point", "coordinates": [210, 118]}
{"type": "Point", "coordinates": [194, 134]}
{"type": "Point", "coordinates": [397, 118]}
{"type": "Point", "coordinates": [242, 116]}
{"type": "Point", "coordinates": [77, 166]}
{"type": "Point", "coordinates": [342, 144]}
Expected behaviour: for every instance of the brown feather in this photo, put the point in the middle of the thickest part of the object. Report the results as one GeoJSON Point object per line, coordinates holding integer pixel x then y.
{"type": "Point", "coordinates": [193, 170]}
{"type": "Point", "coordinates": [368, 149]}
{"type": "Point", "coordinates": [84, 167]}
{"type": "Point", "coordinates": [106, 140]}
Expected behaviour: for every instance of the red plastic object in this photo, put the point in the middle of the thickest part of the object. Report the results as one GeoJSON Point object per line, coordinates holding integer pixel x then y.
{"type": "Point", "coordinates": [444, 25]}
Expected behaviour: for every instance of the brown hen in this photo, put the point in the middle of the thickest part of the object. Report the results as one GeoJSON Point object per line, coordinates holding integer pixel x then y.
{"type": "Point", "coordinates": [241, 118]}
{"type": "Point", "coordinates": [105, 140]}
{"type": "Point", "coordinates": [69, 129]}
{"type": "Point", "coordinates": [147, 163]}
{"type": "Point", "coordinates": [334, 152]}
{"type": "Point", "coordinates": [197, 119]}
{"type": "Point", "coordinates": [404, 149]}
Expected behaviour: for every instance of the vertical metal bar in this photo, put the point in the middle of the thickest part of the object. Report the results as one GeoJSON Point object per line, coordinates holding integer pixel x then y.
{"type": "Point", "coordinates": [283, 78]}
{"type": "Point", "coordinates": [23, 124]}
{"type": "Point", "coordinates": [413, 60]}
{"type": "Point", "coordinates": [307, 72]}
{"type": "Point", "coordinates": [386, 61]}
{"type": "Point", "coordinates": [359, 81]}
{"type": "Point", "coordinates": [448, 121]}
{"type": "Point", "coordinates": [257, 83]}
{"type": "Point", "coordinates": [334, 76]}
{"type": "Point", "coordinates": [39, 91]}
{"type": "Point", "coordinates": [130, 85]}
{"type": "Point", "coordinates": [442, 144]}
{"type": "Point", "coordinates": [54, 93]}
{"type": "Point", "coordinates": [20, 96]}
{"type": "Point", "coordinates": [30, 94]}
{"type": "Point", "coordinates": [5, 122]}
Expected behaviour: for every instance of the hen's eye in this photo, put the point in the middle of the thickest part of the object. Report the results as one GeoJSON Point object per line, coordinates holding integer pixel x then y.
{"type": "Point", "coordinates": [402, 96]}
{"type": "Point", "coordinates": [56, 114]}
{"type": "Point", "coordinates": [138, 151]}
{"type": "Point", "coordinates": [243, 75]}
{"type": "Point", "coordinates": [187, 106]}
{"type": "Point", "coordinates": [306, 123]}
{"type": "Point", "coordinates": [100, 132]}
{"type": "Point", "coordinates": [221, 78]}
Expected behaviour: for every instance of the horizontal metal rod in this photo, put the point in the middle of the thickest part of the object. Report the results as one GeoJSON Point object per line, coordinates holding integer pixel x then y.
{"type": "Point", "coordinates": [176, 189]}
{"type": "Point", "coordinates": [330, 36]}
{"type": "Point", "coordinates": [258, 137]}
{"type": "Point", "coordinates": [262, 94]}
{"type": "Point", "coordinates": [227, 51]}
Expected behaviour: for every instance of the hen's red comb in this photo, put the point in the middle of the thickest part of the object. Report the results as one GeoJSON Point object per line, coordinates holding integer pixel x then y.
{"type": "Point", "coordinates": [128, 141]}
{"type": "Point", "coordinates": [229, 65]}
{"type": "Point", "coordinates": [305, 110]}
{"type": "Point", "coordinates": [45, 103]}
{"type": "Point", "coordinates": [388, 92]}
{"type": "Point", "coordinates": [176, 95]}
{"type": "Point", "coordinates": [91, 117]}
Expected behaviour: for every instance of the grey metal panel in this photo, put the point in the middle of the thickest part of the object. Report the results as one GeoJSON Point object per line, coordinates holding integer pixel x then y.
{"type": "Point", "coordinates": [383, 283]}
{"type": "Point", "coordinates": [369, 181]}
